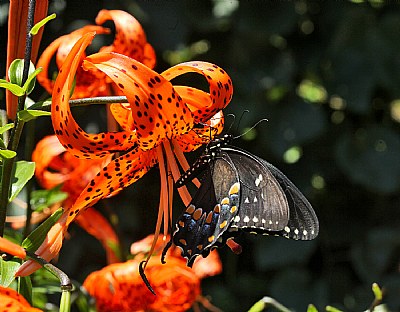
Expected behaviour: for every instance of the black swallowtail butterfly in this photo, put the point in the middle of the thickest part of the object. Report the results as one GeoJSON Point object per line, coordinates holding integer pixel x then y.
{"type": "Point", "coordinates": [239, 191]}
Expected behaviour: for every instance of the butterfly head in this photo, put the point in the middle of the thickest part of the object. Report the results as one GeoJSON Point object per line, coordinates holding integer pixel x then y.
{"type": "Point", "coordinates": [219, 142]}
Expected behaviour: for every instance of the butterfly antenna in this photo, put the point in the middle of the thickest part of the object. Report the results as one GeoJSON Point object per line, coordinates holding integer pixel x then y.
{"type": "Point", "coordinates": [233, 121]}
{"type": "Point", "coordinates": [255, 125]}
{"type": "Point", "coordinates": [240, 119]}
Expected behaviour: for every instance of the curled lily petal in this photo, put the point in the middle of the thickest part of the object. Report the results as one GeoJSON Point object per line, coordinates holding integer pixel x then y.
{"type": "Point", "coordinates": [62, 46]}
{"type": "Point", "coordinates": [123, 115]}
{"type": "Point", "coordinates": [12, 248]}
{"type": "Point", "coordinates": [71, 136]}
{"type": "Point", "coordinates": [130, 38]}
{"type": "Point", "coordinates": [158, 111]}
{"type": "Point", "coordinates": [220, 93]}
{"type": "Point", "coordinates": [49, 248]}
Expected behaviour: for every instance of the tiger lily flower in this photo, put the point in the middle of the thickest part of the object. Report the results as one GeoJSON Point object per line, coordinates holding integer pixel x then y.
{"type": "Point", "coordinates": [12, 301]}
{"type": "Point", "coordinates": [17, 18]}
{"type": "Point", "coordinates": [129, 40]}
{"type": "Point", "coordinates": [158, 126]}
{"type": "Point", "coordinates": [119, 287]}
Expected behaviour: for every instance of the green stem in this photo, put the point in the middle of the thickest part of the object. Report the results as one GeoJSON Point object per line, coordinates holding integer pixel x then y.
{"type": "Point", "coordinates": [88, 101]}
{"type": "Point", "coordinates": [29, 146]}
{"type": "Point", "coordinates": [18, 125]}
{"type": "Point", "coordinates": [65, 282]}
{"type": "Point", "coordinates": [65, 303]}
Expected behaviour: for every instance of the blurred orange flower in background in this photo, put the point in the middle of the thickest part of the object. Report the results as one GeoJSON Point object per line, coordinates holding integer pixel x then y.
{"type": "Point", "coordinates": [119, 287]}
{"type": "Point", "coordinates": [56, 166]}
{"type": "Point", "coordinates": [129, 40]}
{"type": "Point", "coordinates": [11, 301]}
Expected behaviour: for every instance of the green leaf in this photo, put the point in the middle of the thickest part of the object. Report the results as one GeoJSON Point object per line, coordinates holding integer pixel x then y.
{"type": "Point", "coordinates": [37, 236]}
{"type": "Point", "coordinates": [25, 288]}
{"type": "Point", "coordinates": [29, 114]}
{"type": "Point", "coordinates": [7, 271]}
{"type": "Point", "coordinates": [30, 82]}
{"type": "Point", "coordinates": [311, 308]}
{"type": "Point", "coordinates": [22, 173]}
{"type": "Point", "coordinates": [7, 154]}
{"type": "Point", "coordinates": [6, 127]}
{"type": "Point", "coordinates": [16, 71]}
{"type": "Point", "coordinates": [13, 88]}
{"type": "Point", "coordinates": [45, 198]}
{"type": "Point", "coordinates": [35, 29]}
{"type": "Point", "coordinates": [46, 104]}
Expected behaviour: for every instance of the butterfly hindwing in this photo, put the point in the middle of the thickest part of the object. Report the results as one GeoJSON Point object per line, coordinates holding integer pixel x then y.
{"type": "Point", "coordinates": [303, 222]}
{"type": "Point", "coordinates": [211, 211]}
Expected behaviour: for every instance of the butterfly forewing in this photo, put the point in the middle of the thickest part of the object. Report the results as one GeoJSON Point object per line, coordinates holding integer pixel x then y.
{"type": "Point", "coordinates": [213, 207]}
{"type": "Point", "coordinates": [263, 203]}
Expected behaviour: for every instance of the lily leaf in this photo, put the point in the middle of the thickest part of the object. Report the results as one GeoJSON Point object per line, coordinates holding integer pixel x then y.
{"type": "Point", "coordinates": [37, 236]}
{"type": "Point", "coordinates": [29, 114]}
{"type": "Point", "coordinates": [35, 29]}
{"type": "Point", "coordinates": [23, 172]}
{"type": "Point", "coordinates": [13, 88]}
{"type": "Point", "coordinates": [6, 127]}
{"type": "Point", "coordinates": [7, 154]}
{"type": "Point", "coordinates": [7, 272]}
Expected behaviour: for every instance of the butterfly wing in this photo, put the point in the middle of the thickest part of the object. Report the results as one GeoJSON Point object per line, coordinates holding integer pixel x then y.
{"type": "Point", "coordinates": [303, 223]}
{"type": "Point", "coordinates": [211, 211]}
{"type": "Point", "coordinates": [263, 204]}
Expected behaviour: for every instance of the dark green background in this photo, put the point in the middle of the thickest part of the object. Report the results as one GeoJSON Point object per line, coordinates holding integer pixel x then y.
{"type": "Point", "coordinates": [346, 58]}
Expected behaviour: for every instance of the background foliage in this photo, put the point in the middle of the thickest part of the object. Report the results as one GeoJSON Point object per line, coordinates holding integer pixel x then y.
{"type": "Point", "coordinates": [327, 77]}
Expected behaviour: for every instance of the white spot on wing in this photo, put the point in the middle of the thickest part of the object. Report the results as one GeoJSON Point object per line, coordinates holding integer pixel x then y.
{"type": "Point", "coordinates": [255, 219]}
{"type": "Point", "coordinates": [246, 219]}
{"type": "Point", "coordinates": [255, 199]}
{"type": "Point", "coordinates": [237, 219]}
{"type": "Point", "coordinates": [246, 201]}
{"type": "Point", "coordinates": [258, 180]}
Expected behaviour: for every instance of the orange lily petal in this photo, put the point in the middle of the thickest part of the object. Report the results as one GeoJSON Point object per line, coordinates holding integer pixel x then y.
{"type": "Point", "coordinates": [71, 136]}
{"type": "Point", "coordinates": [119, 173]}
{"type": "Point", "coordinates": [130, 38]}
{"type": "Point", "coordinates": [158, 111]}
{"type": "Point", "coordinates": [85, 87]}
{"type": "Point", "coordinates": [220, 93]}
{"type": "Point", "coordinates": [12, 248]}
{"type": "Point", "coordinates": [17, 18]}
{"type": "Point", "coordinates": [45, 151]}
{"type": "Point", "coordinates": [49, 248]}
{"type": "Point", "coordinates": [11, 301]}
{"type": "Point", "coordinates": [123, 115]}
{"type": "Point", "coordinates": [118, 287]}
{"type": "Point", "coordinates": [55, 166]}
{"type": "Point", "coordinates": [98, 226]}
